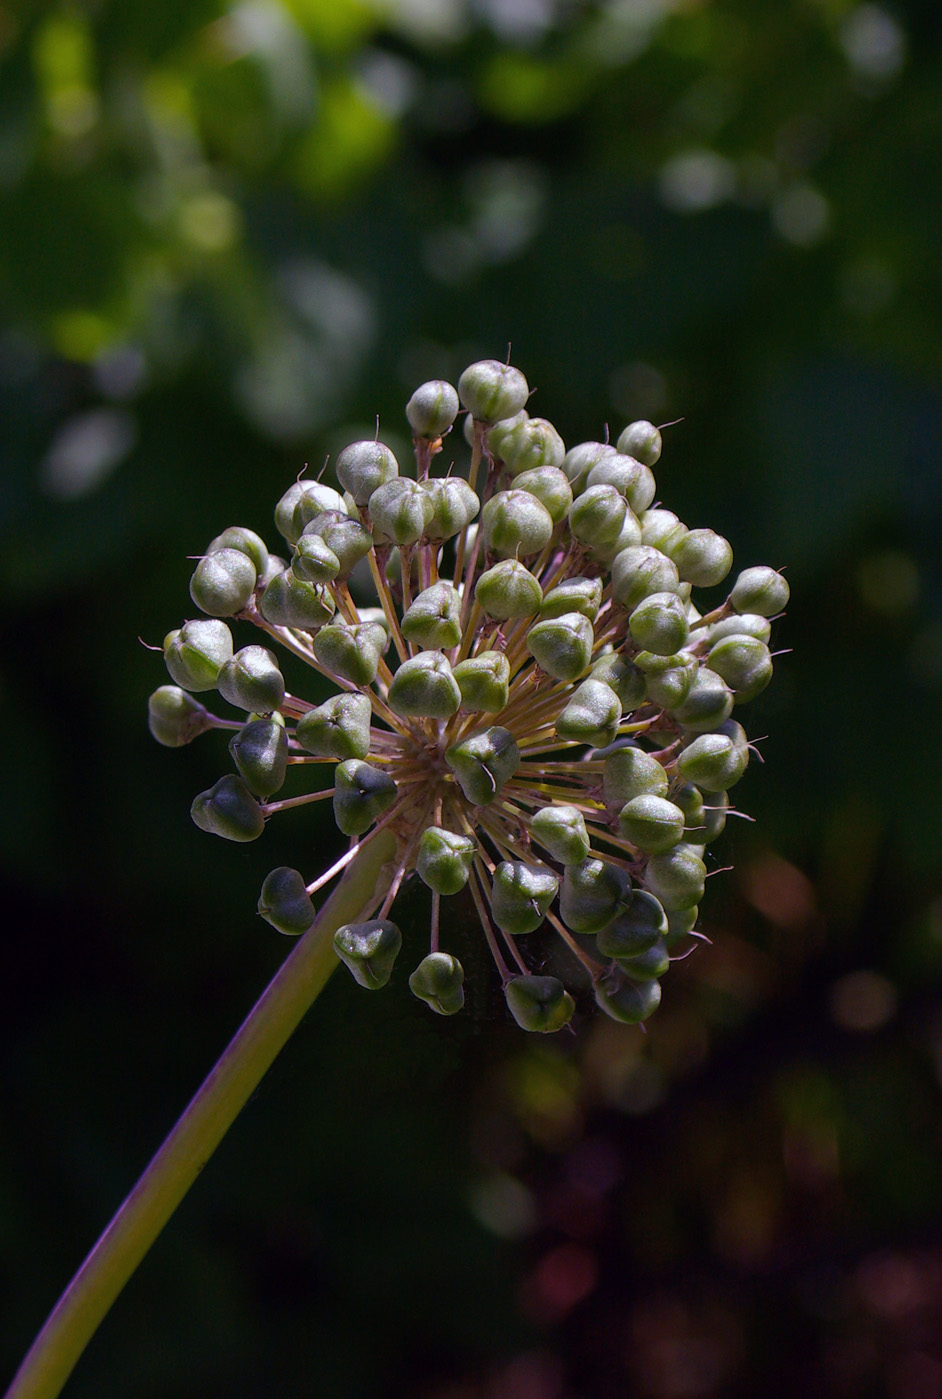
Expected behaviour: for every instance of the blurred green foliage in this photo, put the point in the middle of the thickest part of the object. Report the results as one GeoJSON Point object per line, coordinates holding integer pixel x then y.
{"type": "Point", "coordinates": [229, 237]}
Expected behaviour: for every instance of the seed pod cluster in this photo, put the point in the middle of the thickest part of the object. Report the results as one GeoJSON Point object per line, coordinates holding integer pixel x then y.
{"type": "Point", "coordinates": [526, 695]}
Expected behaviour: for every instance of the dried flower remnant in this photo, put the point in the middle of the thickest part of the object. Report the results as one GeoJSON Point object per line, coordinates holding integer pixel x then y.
{"type": "Point", "coordinates": [531, 703]}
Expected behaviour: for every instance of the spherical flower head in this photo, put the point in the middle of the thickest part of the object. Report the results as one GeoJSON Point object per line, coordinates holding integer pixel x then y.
{"type": "Point", "coordinates": [515, 686]}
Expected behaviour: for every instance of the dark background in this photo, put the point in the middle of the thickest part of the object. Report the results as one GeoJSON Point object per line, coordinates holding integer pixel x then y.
{"type": "Point", "coordinates": [229, 237]}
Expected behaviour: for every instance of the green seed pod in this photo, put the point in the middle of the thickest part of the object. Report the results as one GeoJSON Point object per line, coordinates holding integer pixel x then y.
{"type": "Point", "coordinates": [314, 560]}
{"type": "Point", "coordinates": [515, 522]}
{"type": "Point", "coordinates": [300, 503]}
{"type": "Point", "coordinates": [561, 830]}
{"type": "Point", "coordinates": [629, 1002]}
{"type": "Point", "coordinates": [622, 676]}
{"type": "Point", "coordinates": [630, 772]}
{"type": "Point", "coordinates": [744, 663]}
{"type": "Point", "coordinates": [533, 442]}
{"type": "Point", "coordinates": [592, 894]}
{"type": "Point", "coordinates": [352, 653]}
{"type": "Point", "coordinates": [365, 466]}
{"type": "Point", "coordinates": [347, 538]}
{"type": "Point", "coordinates": [339, 728]}
{"type": "Point", "coordinates": [629, 537]}
{"type": "Point", "coordinates": [290, 601]}
{"type": "Point", "coordinates": [652, 824]}
{"type": "Point", "coordinates": [648, 965]}
{"type": "Point", "coordinates": [630, 477]}
{"type": "Point", "coordinates": [580, 460]}
{"type": "Point", "coordinates": [521, 895]}
{"type": "Point", "coordinates": [251, 680]}
{"type": "Point", "coordinates": [551, 487]}
{"type": "Point", "coordinates": [369, 950]}
{"type": "Point", "coordinates": [497, 433]}
{"type": "Point", "coordinates": [539, 1003]}
{"type": "Point", "coordinates": [491, 390]}
{"type": "Point", "coordinates": [246, 541]}
{"type": "Point", "coordinates": [401, 510]}
{"type": "Point", "coordinates": [690, 800]}
{"type": "Point", "coordinates": [640, 925]}
{"type": "Point", "coordinates": [596, 516]}
{"type": "Point", "coordinates": [741, 624]}
{"type": "Point", "coordinates": [285, 903]}
{"type": "Point", "coordinates": [641, 440]}
{"type": "Point", "coordinates": [680, 924]}
{"type": "Point", "coordinates": [760, 590]}
{"type": "Point", "coordinates": [714, 812]}
{"type": "Point", "coordinates": [196, 653]}
{"type": "Point", "coordinates": [454, 506]}
{"type": "Point", "coordinates": [667, 678]}
{"type": "Point", "coordinates": [361, 794]}
{"type": "Point", "coordinates": [175, 718]}
{"type": "Point", "coordinates": [432, 409]}
{"type": "Point", "coordinates": [229, 810]}
{"type": "Point", "coordinates": [712, 762]}
{"type": "Point", "coordinates": [661, 529]}
{"type": "Point", "coordinates": [703, 558]}
{"type": "Point", "coordinates": [484, 681]}
{"type": "Point", "coordinates": [484, 762]}
{"type": "Point", "coordinates": [707, 703]}
{"type": "Point", "coordinates": [508, 590]}
{"type": "Point", "coordinates": [260, 752]}
{"type": "Point", "coordinates": [223, 583]}
{"type": "Point", "coordinates": [639, 571]}
{"type": "Point", "coordinates": [437, 980]}
{"type": "Point", "coordinates": [659, 624]}
{"type": "Point", "coordinates": [562, 646]}
{"type": "Point", "coordinates": [424, 687]}
{"type": "Point", "coordinates": [676, 877]}
{"type": "Point", "coordinates": [573, 595]}
{"type": "Point", "coordinates": [592, 715]}
{"type": "Point", "coordinates": [444, 859]}
{"type": "Point", "coordinates": [434, 618]}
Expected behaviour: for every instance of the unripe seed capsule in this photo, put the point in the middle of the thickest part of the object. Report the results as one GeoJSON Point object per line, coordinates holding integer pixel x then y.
{"type": "Point", "coordinates": [638, 572]}
{"type": "Point", "coordinates": [433, 619]}
{"type": "Point", "coordinates": [596, 516]}
{"type": "Point", "coordinates": [352, 653]}
{"type": "Point", "coordinates": [196, 653]}
{"type": "Point", "coordinates": [648, 965]}
{"type": "Point", "coordinates": [454, 506]}
{"type": "Point", "coordinates": [401, 510]}
{"type": "Point", "coordinates": [741, 624]}
{"type": "Point", "coordinates": [562, 646]}
{"type": "Point", "coordinates": [712, 762]}
{"type": "Point", "coordinates": [484, 762]}
{"type": "Point", "coordinates": [707, 703]}
{"type": "Point", "coordinates": [652, 824]}
{"type": "Point", "coordinates": [661, 529]}
{"type": "Point", "coordinates": [638, 926]}
{"type": "Point", "coordinates": [573, 595]}
{"type": "Point", "coordinates": [714, 814]}
{"type": "Point", "coordinates": [228, 809]}
{"type": "Point", "coordinates": [539, 1003]}
{"type": "Point", "coordinates": [437, 980]}
{"type": "Point", "coordinates": [300, 503]}
{"type": "Point", "coordinates": [369, 950]}
{"type": "Point", "coordinates": [508, 590]}
{"type": "Point", "coordinates": [668, 679]}
{"type": "Point", "coordinates": [251, 680]}
{"type": "Point", "coordinates": [760, 590]}
{"type": "Point", "coordinates": [659, 624]}
{"type": "Point", "coordinates": [676, 878]}
{"type": "Point", "coordinates": [424, 687]}
{"type": "Point", "coordinates": [680, 924]}
{"type": "Point", "coordinates": [175, 718]}
{"type": "Point", "coordinates": [444, 860]}
{"type": "Point", "coordinates": [491, 390]}
{"type": "Point", "coordinates": [361, 794]}
{"type": "Point", "coordinates": [314, 560]}
{"type": "Point", "coordinates": [285, 903]}
{"type": "Point", "coordinates": [703, 558]}
{"type": "Point", "coordinates": [622, 676]}
{"type": "Point", "coordinates": [630, 1002]}
{"type": "Point", "coordinates": [551, 487]}
{"type": "Point", "coordinates": [290, 601]}
{"type": "Point", "coordinates": [561, 830]}
{"type": "Point", "coordinates": [592, 894]}
{"type": "Point", "coordinates": [339, 728]}
{"type": "Point", "coordinates": [592, 715]}
{"type": "Point", "coordinates": [521, 895]}
{"type": "Point", "coordinates": [744, 663]}
{"type": "Point", "coordinates": [260, 752]}
{"type": "Point", "coordinates": [630, 477]}
{"type": "Point", "coordinates": [365, 466]}
{"type": "Point", "coordinates": [515, 522]}
{"type": "Point", "coordinates": [532, 443]}
{"type": "Point", "coordinates": [641, 439]}
{"type": "Point", "coordinates": [484, 682]}
{"type": "Point", "coordinates": [246, 541]}
{"type": "Point", "coordinates": [580, 460]}
{"type": "Point", "coordinates": [223, 583]}
{"type": "Point", "coordinates": [497, 433]}
{"type": "Point", "coordinates": [630, 772]}
{"type": "Point", "coordinates": [432, 409]}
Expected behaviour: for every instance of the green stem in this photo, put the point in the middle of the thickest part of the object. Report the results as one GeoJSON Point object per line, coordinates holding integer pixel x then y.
{"type": "Point", "coordinates": [199, 1131]}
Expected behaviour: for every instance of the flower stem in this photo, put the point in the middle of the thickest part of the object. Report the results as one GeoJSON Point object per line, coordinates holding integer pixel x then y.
{"type": "Point", "coordinates": [199, 1131]}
